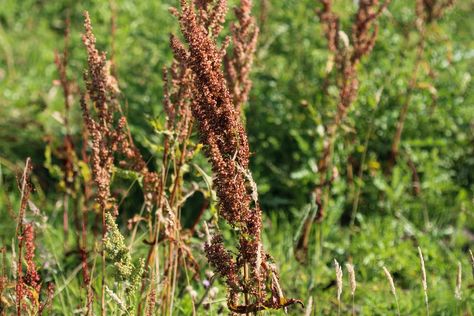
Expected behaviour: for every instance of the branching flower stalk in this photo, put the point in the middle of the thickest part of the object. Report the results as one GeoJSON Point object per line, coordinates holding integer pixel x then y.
{"type": "Point", "coordinates": [25, 189]}
{"type": "Point", "coordinates": [250, 274]}
{"type": "Point", "coordinates": [70, 166]}
{"type": "Point", "coordinates": [237, 65]}
{"type": "Point", "coordinates": [169, 194]}
{"type": "Point", "coordinates": [108, 134]}
{"type": "Point", "coordinates": [113, 147]}
{"type": "Point", "coordinates": [427, 12]}
{"type": "Point", "coordinates": [68, 151]}
{"type": "Point", "coordinates": [104, 138]}
{"type": "Point", "coordinates": [28, 285]}
{"type": "Point", "coordinates": [347, 55]}
{"type": "Point", "coordinates": [177, 103]}
{"type": "Point", "coordinates": [127, 272]}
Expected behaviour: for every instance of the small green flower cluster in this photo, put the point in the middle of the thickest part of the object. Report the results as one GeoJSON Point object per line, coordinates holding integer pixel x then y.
{"type": "Point", "coordinates": [119, 254]}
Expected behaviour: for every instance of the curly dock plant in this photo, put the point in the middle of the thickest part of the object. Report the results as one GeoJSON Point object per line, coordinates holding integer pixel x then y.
{"type": "Point", "coordinates": [427, 13]}
{"type": "Point", "coordinates": [113, 150]}
{"type": "Point", "coordinates": [346, 54]}
{"type": "Point", "coordinates": [250, 273]}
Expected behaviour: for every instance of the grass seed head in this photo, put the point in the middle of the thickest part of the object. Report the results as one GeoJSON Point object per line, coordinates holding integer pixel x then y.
{"type": "Point", "coordinates": [458, 289]}
{"type": "Point", "coordinates": [352, 278]}
{"type": "Point", "coordinates": [339, 275]}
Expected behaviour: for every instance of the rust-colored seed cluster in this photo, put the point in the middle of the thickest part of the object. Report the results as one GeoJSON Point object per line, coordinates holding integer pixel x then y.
{"type": "Point", "coordinates": [31, 278]}
{"type": "Point", "coordinates": [227, 148]}
{"type": "Point", "coordinates": [109, 135]}
{"type": "Point", "coordinates": [224, 264]}
{"type": "Point", "coordinates": [28, 283]}
{"type": "Point", "coordinates": [348, 55]}
{"type": "Point", "coordinates": [237, 66]}
{"type": "Point", "coordinates": [25, 188]}
{"type": "Point", "coordinates": [220, 127]}
{"type": "Point", "coordinates": [102, 135]}
{"type": "Point", "coordinates": [177, 93]}
{"type": "Point", "coordinates": [330, 24]}
{"type": "Point", "coordinates": [431, 10]}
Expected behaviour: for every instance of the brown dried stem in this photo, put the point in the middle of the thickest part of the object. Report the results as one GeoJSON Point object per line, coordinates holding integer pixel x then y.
{"type": "Point", "coordinates": [25, 190]}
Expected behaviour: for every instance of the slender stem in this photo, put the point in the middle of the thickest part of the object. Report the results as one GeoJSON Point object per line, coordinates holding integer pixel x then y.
{"type": "Point", "coordinates": [355, 205]}
{"type": "Point", "coordinates": [173, 284]}
{"type": "Point", "coordinates": [398, 305]}
{"type": "Point", "coordinates": [102, 253]}
{"type": "Point", "coordinates": [246, 277]}
{"type": "Point", "coordinates": [155, 226]}
{"type": "Point", "coordinates": [409, 94]}
{"type": "Point", "coordinates": [19, 234]}
{"type": "Point", "coordinates": [187, 281]}
{"type": "Point", "coordinates": [353, 305]}
{"type": "Point", "coordinates": [65, 218]}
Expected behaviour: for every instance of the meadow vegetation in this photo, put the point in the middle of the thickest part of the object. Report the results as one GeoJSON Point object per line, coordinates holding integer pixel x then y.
{"type": "Point", "coordinates": [210, 157]}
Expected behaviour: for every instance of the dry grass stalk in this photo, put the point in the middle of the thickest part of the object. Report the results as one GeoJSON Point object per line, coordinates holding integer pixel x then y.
{"type": "Point", "coordinates": [424, 281]}
{"type": "Point", "coordinates": [179, 120]}
{"type": "Point", "coordinates": [352, 279]}
{"type": "Point", "coordinates": [471, 257]}
{"type": "Point", "coordinates": [25, 189]}
{"type": "Point", "coordinates": [347, 54]}
{"type": "Point", "coordinates": [339, 276]}
{"type": "Point", "coordinates": [458, 289]}
{"type": "Point", "coordinates": [224, 136]}
{"type": "Point", "coordinates": [353, 283]}
{"type": "Point", "coordinates": [309, 307]}
{"type": "Point", "coordinates": [263, 15]}
{"type": "Point", "coordinates": [392, 287]}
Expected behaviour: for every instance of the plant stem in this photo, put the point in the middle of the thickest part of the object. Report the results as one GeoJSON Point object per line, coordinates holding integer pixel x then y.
{"type": "Point", "coordinates": [409, 94]}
